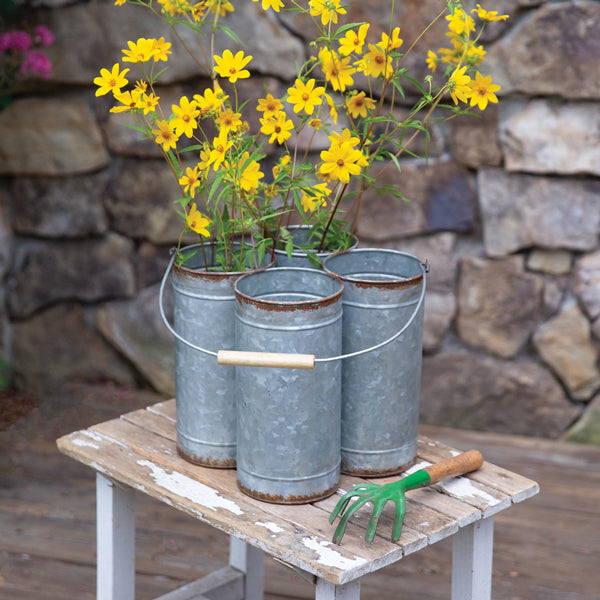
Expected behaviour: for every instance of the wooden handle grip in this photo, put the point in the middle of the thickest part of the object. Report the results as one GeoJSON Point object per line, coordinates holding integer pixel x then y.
{"type": "Point", "coordinates": [457, 465]}
{"type": "Point", "coordinates": [266, 359]}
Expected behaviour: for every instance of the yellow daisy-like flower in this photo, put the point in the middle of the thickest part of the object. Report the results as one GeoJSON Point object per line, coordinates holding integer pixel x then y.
{"type": "Point", "coordinates": [198, 11]}
{"type": "Point", "coordinates": [212, 100]}
{"type": "Point", "coordinates": [315, 124]}
{"type": "Point", "coordinates": [278, 127]}
{"type": "Point", "coordinates": [459, 85]}
{"type": "Point", "coordinates": [460, 23]}
{"type": "Point", "coordinates": [232, 67]}
{"type": "Point", "coordinates": [358, 104]}
{"type": "Point", "coordinates": [391, 43]}
{"type": "Point", "coordinates": [432, 60]}
{"type": "Point", "coordinates": [220, 146]}
{"type": "Point", "coordinates": [341, 161]}
{"type": "Point", "coordinates": [111, 81]}
{"type": "Point", "coordinates": [332, 108]}
{"type": "Point", "coordinates": [316, 196]}
{"type": "Point", "coordinates": [251, 174]}
{"type": "Point", "coordinates": [483, 91]}
{"type": "Point", "coordinates": [191, 180]}
{"type": "Point", "coordinates": [274, 4]}
{"type": "Point", "coordinates": [328, 10]}
{"type": "Point", "coordinates": [377, 62]}
{"type": "Point", "coordinates": [222, 6]}
{"type": "Point", "coordinates": [120, 2]}
{"type": "Point", "coordinates": [338, 72]}
{"type": "Point", "coordinates": [354, 41]}
{"type": "Point", "coordinates": [186, 114]}
{"type": "Point", "coordinates": [489, 16]}
{"type": "Point", "coordinates": [128, 100]}
{"type": "Point", "coordinates": [229, 121]}
{"type": "Point", "coordinates": [165, 135]}
{"type": "Point", "coordinates": [148, 102]}
{"type": "Point", "coordinates": [197, 222]}
{"type": "Point", "coordinates": [345, 137]}
{"type": "Point", "coordinates": [141, 51]}
{"type": "Point", "coordinates": [269, 106]}
{"type": "Point", "coordinates": [161, 49]}
{"type": "Point", "coordinates": [305, 96]}
{"type": "Point", "coordinates": [285, 160]}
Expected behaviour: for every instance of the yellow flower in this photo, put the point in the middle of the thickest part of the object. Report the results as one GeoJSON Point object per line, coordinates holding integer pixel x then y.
{"type": "Point", "coordinates": [223, 6]}
{"type": "Point", "coordinates": [274, 4]}
{"type": "Point", "coordinates": [454, 54]}
{"type": "Point", "coordinates": [231, 66]}
{"type": "Point", "coordinates": [148, 102]}
{"type": "Point", "coordinates": [475, 54]}
{"type": "Point", "coordinates": [229, 121]}
{"type": "Point", "coordinates": [161, 49]}
{"type": "Point", "coordinates": [198, 10]}
{"type": "Point", "coordinates": [197, 222]}
{"type": "Point", "coordinates": [315, 124]}
{"type": "Point", "coordinates": [165, 135]}
{"type": "Point", "coordinates": [376, 62]}
{"type": "Point", "coordinates": [251, 173]}
{"type": "Point", "coordinates": [460, 23]}
{"type": "Point", "coordinates": [358, 105]}
{"type": "Point", "coordinates": [490, 16]}
{"type": "Point", "coordinates": [269, 105]}
{"type": "Point", "coordinates": [332, 109]}
{"type": "Point", "coordinates": [111, 81]}
{"type": "Point", "coordinates": [316, 196]}
{"type": "Point", "coordinates": [353, 41]}
{"type": "Point", "coordinates": [191, 180]}
{"type": "Point", "coordinates": [327, 9]}
{"type": "Point", "coordinates": [432, 60]}
{"type": "Point", "coordinates": [141, 51]}
{"type": "Point", "coordinates": [341, 161]}
{"type": "Point", "coordinates": [211, 100]}
{"type": "Point", "coordinates": [337, 72]}
{"type": "Point", "coordinates": [185, 117]}
{"type": "Point", "coordinates": [459, 85]}
{"type": "Point", "coordinates": [345, 137]}
{"type": "Point", "coordinates": [483, 91]}
{"type": "Point", "coordinates": [120, 2]}
{"type": "Point", "coordinates": [217, 154]}
{"type": "Point", "coordinates": [305, 96]}
{"type": "Point", "coordinates": [128, 100]}
{"type": "Point", "coordinates": [392, 43]}
{"type": "Point", "coordinates": [277, 127]}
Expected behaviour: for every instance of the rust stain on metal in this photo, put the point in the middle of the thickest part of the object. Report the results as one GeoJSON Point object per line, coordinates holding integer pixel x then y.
{"type": "Point", "coordinates": [207, 461]}
{"type": "Point", "coordinates": [392, 284]}
{"type": "Point", "coordinates": [272, 306]}
{"type": "Point", "coordinates": [292, 499]}
{"type": "Point", "coordinates": [386, 473]}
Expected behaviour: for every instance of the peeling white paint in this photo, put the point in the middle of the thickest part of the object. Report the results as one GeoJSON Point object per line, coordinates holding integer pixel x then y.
{"type": "Point", "coordinates": [417, 466]}
{"type": "Point", "coordinates": [189, 488]}
{"type": "Point", "coordinates": [272, 527]}
{"type": "Point", "coordinates": [86, 443]}
{"type": "Point", "coordinates": [462, 487]}
{"type": "Point", "coordinates": [455, 452]}
{"type": "Point", "coordinates": [424, 524]}
{"type": "Point", "coordinates": [329, 556]}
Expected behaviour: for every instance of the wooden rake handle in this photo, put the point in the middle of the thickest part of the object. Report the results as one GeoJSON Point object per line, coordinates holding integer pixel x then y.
{"type": "Point", "coordinates": [457, 465]}
{"type": "Point", "coordinates": [266, 359]}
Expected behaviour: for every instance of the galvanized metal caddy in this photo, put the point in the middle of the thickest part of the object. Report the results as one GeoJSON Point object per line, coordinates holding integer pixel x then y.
{"type": "Point", "coordinates": [203, 313]}
{"type": "Point", "coordinates": [288, 420]}
{"type": "Point", "coordinates": [383, 291]}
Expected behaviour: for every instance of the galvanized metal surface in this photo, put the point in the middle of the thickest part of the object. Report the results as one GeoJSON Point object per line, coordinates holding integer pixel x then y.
{"type": "Point", "coordinates": [288, 428]}
{"type": "Point", "coordinates": [380, 389]}
{"type": "Point", "coordinates": [205, 391]}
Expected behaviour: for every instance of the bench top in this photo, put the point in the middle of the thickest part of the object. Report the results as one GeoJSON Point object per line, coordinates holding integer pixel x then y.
{"type": "Point", "coordinates": [139, 450]}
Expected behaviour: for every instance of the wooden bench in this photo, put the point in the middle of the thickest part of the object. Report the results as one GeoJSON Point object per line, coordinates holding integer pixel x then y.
{"type": "Point", "coordinates": [138, 452]}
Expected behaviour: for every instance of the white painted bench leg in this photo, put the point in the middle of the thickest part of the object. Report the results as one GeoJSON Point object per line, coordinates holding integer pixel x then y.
{"type": "Point", "coordinates": [329, 591]}
{"type": "Point", "coordinates": [472, 561]}
{"type": "Point", "coordinates": [115, 541]}
{"type": "Point", "coordinates": [250, 561]}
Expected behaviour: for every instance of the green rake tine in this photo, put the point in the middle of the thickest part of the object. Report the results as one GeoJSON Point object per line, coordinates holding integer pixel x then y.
{"type": "Point", "coordinates": [342, 503]}
{"type": "Point", "coordinates": [397, 527]}
{"type": "Point", "coordinates": [374, 520]}
{"type": "Point", "coordinates": [339, 532]}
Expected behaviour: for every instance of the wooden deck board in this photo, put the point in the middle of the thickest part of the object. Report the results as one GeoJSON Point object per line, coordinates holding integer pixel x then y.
{"type": "Point", "coordinates": [545, 549]}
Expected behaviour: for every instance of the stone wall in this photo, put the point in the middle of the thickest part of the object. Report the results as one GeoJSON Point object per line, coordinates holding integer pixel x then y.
{"type": "Point", "coordinates": [506, 211]}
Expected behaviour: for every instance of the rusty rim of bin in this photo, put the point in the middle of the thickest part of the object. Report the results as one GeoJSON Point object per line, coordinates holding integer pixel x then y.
{"type": "Point", "coordinates": [287, 306]}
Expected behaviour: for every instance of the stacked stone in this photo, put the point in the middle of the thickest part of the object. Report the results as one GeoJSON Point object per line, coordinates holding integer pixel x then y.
{"type": "Point", "coordinates": [506, 210]}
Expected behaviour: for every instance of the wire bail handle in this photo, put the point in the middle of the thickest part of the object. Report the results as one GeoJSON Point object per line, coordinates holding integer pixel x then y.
{"type": "Point", "coordinates": [280, 359]}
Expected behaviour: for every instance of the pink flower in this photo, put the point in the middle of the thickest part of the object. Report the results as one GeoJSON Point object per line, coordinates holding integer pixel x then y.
{"type": "Point", "coordinates": [37, 62]}
{"type": "Point", "coordinates": [15, 40]}
{"type": "Point", "coordinates": [43, 35]}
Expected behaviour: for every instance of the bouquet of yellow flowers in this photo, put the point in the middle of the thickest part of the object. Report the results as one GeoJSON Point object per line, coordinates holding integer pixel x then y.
{"type": "Point", "coordinates": [348, 89]}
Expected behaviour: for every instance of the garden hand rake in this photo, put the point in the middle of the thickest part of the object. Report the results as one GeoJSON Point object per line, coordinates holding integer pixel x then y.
{"type": "Point", "coordinates": [380, 494]}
